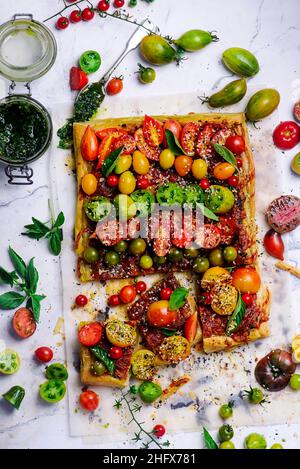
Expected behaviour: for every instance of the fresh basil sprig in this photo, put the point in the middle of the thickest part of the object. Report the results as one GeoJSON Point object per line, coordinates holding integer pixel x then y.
{"type": "Point", "coordinates": [173, 143]}
{"type": "Point", "coordinates": [103, 356]}
{"type": "Point", "coordinates": [207, 212]}
{"type": "Point", "coordinates": [209, 442]}
{"type": "Point", "coordinates": [25, 278]}
{"type": "Point", "coordinates": [178, 298]}
{"type": "Point", "coordinates": [226, 154]}
{"type": "Point", "coordinates": [237, 316]}
{"type": "Point", "coordinates": [110, 162]}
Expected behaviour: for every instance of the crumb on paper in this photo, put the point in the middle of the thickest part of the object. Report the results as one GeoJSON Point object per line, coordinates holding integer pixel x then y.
{"type": "Point", "coordinates": [288, 268]}
{"type": "Point", "coordinates": [58, 326]}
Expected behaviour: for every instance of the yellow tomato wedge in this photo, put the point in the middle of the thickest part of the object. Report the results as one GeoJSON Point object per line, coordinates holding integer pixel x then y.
{"type": "Point", "coordinates": [213, 275]}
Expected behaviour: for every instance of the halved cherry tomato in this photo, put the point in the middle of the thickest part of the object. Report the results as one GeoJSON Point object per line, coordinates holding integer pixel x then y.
{"type": "Point", "coordinates": [203, 145]}
{"type": "Point", "coordinates": [286, 135]}
{"type": "Point", "coordinates": [183, 164]}
{"type": "Point", "coordinates": [116, 131]}
{"type": "Point", "coordinates": [175, 127]}
{"type": "Point", "coordinates": [89, 145]}
{"type": "Point", "coordinates": [210, 238]}
{"type": "Point", "coordinates": [150, 152]}
{"type": "Point", "coordinates": [140, 287]}
{"type": "Point", "coordinates": [190, 327]}
{"type": "Point", "coordinates": [114, 86]}
{"type": "Point", "coordinates": [236, 144]}
{"type": "Point", "coordinates": [227, 227]}
{"type": "Point", "coordinates": [247, 299]}
{"type": "Point", "coordinates": [127, 294]}
{"type": "Point", "coordinates": [89, 400]}
{"type": "Point", "coordinates": [223, 171]}
{"type": "Point", "coordinates": [246, 280]}
{"type": "Point", "coordinates": [153, 132]}
{"type": "Point", "coordinates": [90, 334]}
{"type": "Point", "coordinates": [182, 239]}
{"type": "Point", "coordinates": [44, 354]}
{"type": "Point", "coordinates": [116, 352]}
{"type": "Point", "coordinates": [297, 111]}
{"type": "Point", "coordinates": [159, 315]}
{"type": "Point", "coordinates": [126, 141]}
{"type": "Point", "coordinates": [23, 323]}
{"type": "Point", "coordinates": [274, 245]}
{"type": "Point", "coordinates": [105, 148]}
{"type": "Point", "coordinates": [78, 79]}
{"type": "Point", "coordinates": [189, 137]}
{"type": "Point", "coordinates": [108, 232]}
{"type": "Point", "coordinates": [166, 293]}
{"type": "Point", "coordinates": [221, 136]}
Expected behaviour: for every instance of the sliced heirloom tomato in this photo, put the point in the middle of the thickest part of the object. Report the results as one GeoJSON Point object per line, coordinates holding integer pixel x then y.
{"type": "Point", "coordinates": [228, 229]}
{"type": "Point", "coordinates": [152, 153]}
{"type": "Point", "coordinates": [153, 132]}
{"type": "Point", "coordinates": [221, 136]}
{"type": "Point", "coordinates": [89, 144]}
{"type": "Point", "coordinates": [23, 322]}
{"type": "Point", "coordinates": [90, 334]}
{"type": "Point", "coordinates": [189, 137]}
{"type": "Point", "coordinates": [203, 146]}
{"type": "Point", "coordinates": [101, 134]}
{"type": "Point", "coordinates": [126, 141]}
{"type": "Point", "coordinates": [108, 138]}
{"type": "Point", "coordinates": [143, 365]}
{"type": "Point", "coordinates": [190, 327]}
{"type": "Point", "coordinates": [120, 333]}
{"type": "Point", "coordinates": [209, 237]}
{"type": "Point", "coordinates": [174, 349]}
{"type": "Point", "coordinates": [108, 232]}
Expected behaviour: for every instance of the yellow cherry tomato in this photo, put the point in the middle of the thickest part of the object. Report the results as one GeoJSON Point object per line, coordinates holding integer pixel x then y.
{"type": "Point", "coordinates": [89, 184]}
{"type": "Point", "coordinates": [214, 275]}
{"type": "Point", "coordinates": [183, 164]}
{"type": "Point", "coordinates": [224, 298]}
{"type": "Point", "coordinates": [127, 183]}
{"type": "Point", "coordinates": [223, 171]}
{"type": "Point", "coordinates": [199, 168]}
{"type": "Point", "coordinates": [123, 164]}
{"type": "Point", "coordinates": [166, 159]}
{"type": "Point", "coordinates": [140, 162]}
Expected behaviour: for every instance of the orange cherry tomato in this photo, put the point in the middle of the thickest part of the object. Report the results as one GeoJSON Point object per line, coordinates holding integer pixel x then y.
{"type": "Point", "coordinates": [89, 145]}
{"type": "Point", "coordinates": [159, 315]}
{"type": "Point", "coordinates": [223, 171]}
{"type": "Point", "coordinates": [190, 327]}
{"type": "Point", "coordinates": [183, 164]}
{"type": "Point", "coordinates": [89, 400]}
{"type": "Point", "coordinates": [246, 280]}
{"type": "Point", "coordinates": [114, 86]}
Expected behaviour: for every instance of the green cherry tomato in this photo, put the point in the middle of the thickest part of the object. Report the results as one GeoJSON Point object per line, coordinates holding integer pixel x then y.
{"type": "Point", "coordinates": [146, 74]}
{"type": "Point", "coordinates": [255, 441]}
{"type": "Point", "coordinates": [216, 257]}
{"type": "Point", "coordinates": [295, 382]}
{"type": "Point", "coordinates": [191, 253]}
{"type": "Point", "coordinates": [159, 260]}
{"type": "Point", "coordinates": [98, 368]}
{"type": "Point", "coordinates": [112, 258]}
{"type": "Point", "coordinates": [53, 391]}
{"type": "Point", "coordinates": [296, 164]}
{"type": "Point", "coordinates": [15, 396]}
{"type": "Point", "coordinates": [201, 265]}
{"type": "Point", "coordinates": [226, 411]}
{"type": "Point", "coordinates": [137, 246]}
{"type": "Point", "coordinates": [225, 433]}
{"type": "Point", "coordinates": [219, 199]}
{"type": "Point", "coordinates": [175, 254]}
{"type": "Point", "coordinates": [134, 389]}
{"type": "Point", "coordinates": [230, 254]}
{"type": "Point", "coordinates": [149, 391]}
{"type": "Point", "coordinates": [91, 255]}
{"type": "Point", "coordinates": [262, 104]}
{"type": "Point", "coordinates": [146, 262]}
{"type": "Point", "coordinates": [57, 371]}
{"type": "Point", "coordinates": [9, 362]}
{"type": "Point", "coordinates": [255, 395]}
{"type": "Point", "coordinates": [276, 446]}
{"type": "Point", "coordinates": [97, 208]}
{"type": "Point", "coordinates": [90, 61]}
{"type": "Point", "coordinates": [227, 445]}
{"type": "Point", "coordinates": [121, 246]}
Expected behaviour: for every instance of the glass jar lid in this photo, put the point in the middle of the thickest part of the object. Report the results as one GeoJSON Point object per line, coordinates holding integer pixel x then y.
{"type": "Point", "coordinates": [27, 49]}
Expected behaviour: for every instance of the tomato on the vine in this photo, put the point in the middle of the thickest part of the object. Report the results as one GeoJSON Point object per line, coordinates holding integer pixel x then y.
{"type": "Point", "coordinates": [286, 135]}
{"type": "Point", "coordinates": [140, 287]}
{"type": "Point", "coordinates": [75, 16]}
{"type": "Point", "coordinates": [127, 294]}
{"type": "Point", "coordinates": [89, 400]}
{"type": "Point", "coordinates": [87, 14]}
{"type": "Point", "coordinates": [112, 180]}
{"type": "Point", "coordinates": [44, 354]}
{"type": "Point", "coordinates": [62, 22]}
{"type": "Point", "coordinates": [116, 352]}
{"type": "Point", "coordinates": [103, 5]}
{"type": "Point", "coordinates": [236, 144]}
{"type": "Point", "coordinates": [159, 431]}
{"type": "Point", "coordinates": [119, 3]}
{"type": "Point", "coordinates": [81, 300]}
{"type": "Point", "coordinates": [114, 300]}
{"type": "Point", "coordinates": [114, 86]}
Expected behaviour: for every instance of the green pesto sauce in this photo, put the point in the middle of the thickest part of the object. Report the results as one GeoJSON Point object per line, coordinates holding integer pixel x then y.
{"type": "Point", "coordinates": [23, 131]}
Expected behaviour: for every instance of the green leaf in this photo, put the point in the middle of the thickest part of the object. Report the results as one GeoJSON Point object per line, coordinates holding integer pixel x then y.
{"type": "Point", "coordinates": [237, 316]}
{"type": "Point", "coordinates": [103, 356]}
{"type": "Point", "coordinates": [55, 239]}
{"type": "Point", "coordinates": [173, 143]}
{"type": "Point", "coordinates": [168, 332]}
{"type": "Point", "coordinates": [207, 212]}
{"type": "Point", "coordinates": [11, 300]}
{"type": "Point", "coordinates": [178, 298]}
{"type": "Point", "coordinates": [17, 262]}
{"type": "Point", "coordinates": [32, 276]}
{"type": "Point", "coordinates": [6, 277]}
{"type": "Point", "coordinates": [34, 234]}
{"type": "Point", "coordinates": [42, 227]}
{"type": "Point", "coordinates": [111, 161]}
{"type": "Point", "coordinates": [34, 303]}
{"type": "Point", "coordinates": [59, 221]}
{"type": "Point", "coordinates": [226, 154]}
{"type": "Point", "coordinates": [209, 442]}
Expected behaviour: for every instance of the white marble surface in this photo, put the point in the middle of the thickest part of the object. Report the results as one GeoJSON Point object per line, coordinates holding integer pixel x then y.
{"type": "Point", "coordinates": [270, 28]}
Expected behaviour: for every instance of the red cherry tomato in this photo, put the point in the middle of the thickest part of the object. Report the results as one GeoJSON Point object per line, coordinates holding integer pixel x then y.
{"type": "Point", "coordinates": [297, 111]}
{"type": "Point", "coordinates": [75, 16]}
{"type": "Point", "coordinates": [274, 245]}
{"type": "Point", "coordinates": [286, 135]}
{"type": "Point", "coordinates": [127, 294]}
{"type": "Point", "coordinates": [228, 229]}
{"type": "Point", "coordinates": [90, 334]}
{"type": "Point", "coordinates": [203, 146]}
{"type": "Point", "coordinates": [116, 352]}
{"type": "Point", "coordinates": [142, 182]}
{"type": "Point", "coordinates": [140, 287]}
{"type": "Point", "coordinates": [81, 300]}
{"type": "Point", "coordinates": [103, 5]}
{"type": "Point", "coordinates": [246, 280]}
{"type": "Point", "coordinates": [153, 132]}
{"type": "Point", "coordinates": [126, 141]}
{"type": "Point", "coordinates": [159, 315]}
{"type": "Point", "coordinates": [62, 22]}
{"type": "Point", "coordinates": [159, 431]}
{"type": "Point", "coordinates": [114, 86]}
{"type": "Point", "coordinates": [119, 3]}
{"type": "Point", "coordinates": [23, 323]}
{"type": "Point", "coordinates": [190, 327]}
{"type": "Point", "coordinates": [44, 354]}
{"type": "Point", "coordinates": [150, 152]}
{"type": "Point", "coordinates": [114, 300]}
{"type": "Point", "coordinates": [233, 181]}
{"type": "Point", "coordinates": [236, 144]}
{"type": "Point", "coordinates": [87, 14]}
{"type": "Point", "coordinates": [166, 293]}
{"type": "Point", "coordinates": [247, 299]}
{"type": "Point", "coordinates": [175, 127]}
{"type": "Point", "coordinates": [207, 298]}
{"type": "Point", "coordinates": [89, 145]}
{"type": "Point", "coordinates": [78, 79]}
{"type": "Point", "coordinates": [239, 163]}
{"type": "Point", "coordinates": [189, 137]}
{"type": "Point", "coordinates": [204, 184]}
{"type": "Point", "coordinates": [89, 400]}
{"type": "Point", "coordinates": [112, 180]}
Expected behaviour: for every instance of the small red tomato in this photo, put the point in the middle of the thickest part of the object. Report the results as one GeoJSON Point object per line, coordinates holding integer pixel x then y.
{"type": "Point", "coordinates": [142, 182]}
{"type": "Point", "coordinates": [44, 354]}
{"type": "Point", "coordinates": [236, 144]}
{"type": "Point", "coordinates": [286, 135]}
{"type": "Point", "coordinates": [24, 323]}
{"type": "Point", "coordinates": [90, 334]}
{"type": "Point", "coordinates": [166, 293]}
{"type": "Point", "coordinates": [127, 294]}
{"type": "Point", "coordinates": [62, 22]}
{"type": "Point", "coordinates": [204, 184]}
{"type": "Point", "coordinates": [78, 79]}
{"type": "Point", "coordinates": [112, 180]}
{"type": "Point", "coordinates": [87, 14]}
{"type": "Point", "coordinates": [116, 352]}
{"type": "Point", "coordinates": [140, 287]}
{"type": "Point", "coordinates": [239, 163]}
{"type": "Point", "coordinates": [233, 181]}
{"type": "Point", "coordinates": [114, 300]}
{"type": "Point", "coordinates": [159, 431]}
{"type": "Point", "coordinates": [119, 3]}
{"type": "Point", "coordinates": [103, 5]}
{"type": "Point", "coordinates": [75, 16]}
{"type": "Point", "coordinates": [81, 300]}
{"type": "Point", "coordinates": [89, 400]}
{"type": "Point", "coordinates": [274, 245]}
{"type": "Point", "coordinates": [207, 299]}
{"type": "Point", "coordinates": [114, 86]}
{"type": "Point", "coordinates": [297, 111]}
{"type": "Point", "coordinates": [247, 299]}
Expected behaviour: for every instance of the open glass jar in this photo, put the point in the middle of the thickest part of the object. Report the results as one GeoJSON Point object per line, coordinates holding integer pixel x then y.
{"type": "Point", "coordinates": [27, 51]}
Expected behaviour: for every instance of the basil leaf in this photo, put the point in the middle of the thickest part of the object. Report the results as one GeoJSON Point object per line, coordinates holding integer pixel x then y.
{"type": "Point", "coordinates": [237, 316]}
{"type": "Point", "coordinates": [207, 212]}
{"type": "Point", "coordinates": [168, 332]}
{"type": "Point", "coordinates": [11, 300]}
{"type": "Point", "coordinates": [55, 239]}
{"type": "Point", "coordinates": [17, 262]}
{"type": "Point", "coordinates": [59, 221]}
{"type": "Point", "coordinates": [32, 276]}
{"type": "Point", "coordinates": [209, 442]}
{"type": "Point", "coordinates": [34, 303]}
{"type": "Point", "coordinates": [173, 143]}
{"type": "Point", "coordinates": [110, 162]}
{"type": "Point", "coordinates": [178, 298]}
{"type": "Point", "coordinates": [226, 154]}
{"type": "Point", "coordinates": [40, 226]}
{"type": "Point", "coordinates": [6, 277]}
{"type": "Point", "coordinates": [103, 356]}
{"type": "Point", "coordinates": [32, 233]}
